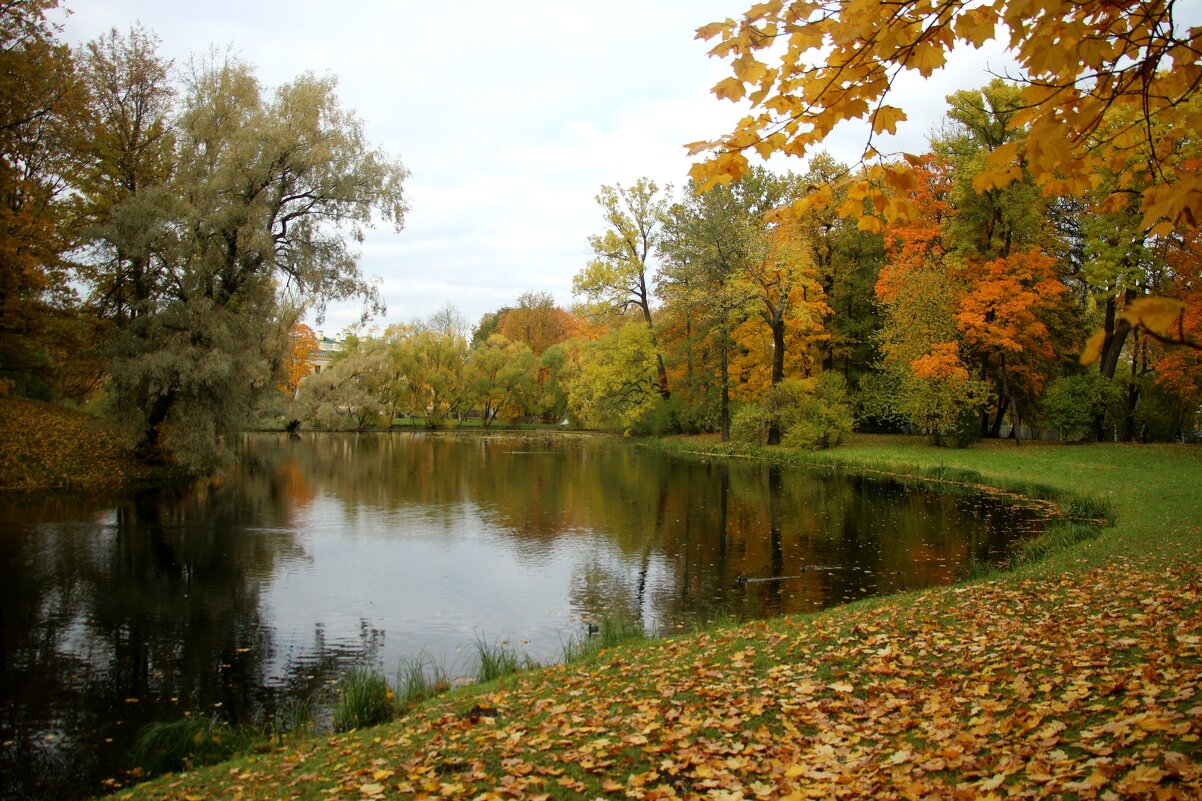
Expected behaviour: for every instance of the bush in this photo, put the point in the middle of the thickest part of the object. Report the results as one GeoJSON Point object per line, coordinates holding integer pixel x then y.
{"type": "Point", "coordinates": [364, 699]}
{"type": "Point", "coordinates": [810, 413]}
{"type": "Point", "coordinates": [1072, 403]}
{"type": "Point", "coordinates": [749, 425]}
{"type": "Point", "coordinates": [823, 418]}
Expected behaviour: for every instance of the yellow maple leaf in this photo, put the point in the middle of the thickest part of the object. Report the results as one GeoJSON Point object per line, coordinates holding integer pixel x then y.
{"type": "Point", "coordinates": [886, 119]}
{"type": "Point", "coordinates": [1156, 314]}
{"type": "Point", "coordinates": [729, 89]}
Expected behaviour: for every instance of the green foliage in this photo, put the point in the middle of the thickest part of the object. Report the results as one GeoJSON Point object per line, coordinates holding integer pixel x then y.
{"type": "Point", "coordinates": [229, 221]}
{"type": "Point", "coordinates": [364, 699]}
{"type": "Point", "coordinates": [812, 414]}
{"type": "Point", "coordinates": [1073, 403]}
{"type": "Point", "coordinates": [749, 424]}
{"type": "Point", "coordinates": [877, 406]}
{"type": "Point", "coordinates": [615, 380]}
{"type": "Point", "coordinates": [186, 744]}
{"type": "Point", "coordinates": [1162, 415]}
{"type": "Point", "coordinates": [823, 418]}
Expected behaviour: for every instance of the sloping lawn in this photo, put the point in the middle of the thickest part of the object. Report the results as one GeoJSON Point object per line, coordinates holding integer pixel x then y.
{"type": "Point", "coordinates": [1075, 677]}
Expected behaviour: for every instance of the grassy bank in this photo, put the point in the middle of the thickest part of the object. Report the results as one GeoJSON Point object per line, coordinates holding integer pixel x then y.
{"type": "Point", "coordinates": [1077, 676]}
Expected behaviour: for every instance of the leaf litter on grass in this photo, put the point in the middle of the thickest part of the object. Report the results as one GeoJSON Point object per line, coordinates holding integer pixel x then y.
{"type": "Point", "coordinates": [1082, 685]}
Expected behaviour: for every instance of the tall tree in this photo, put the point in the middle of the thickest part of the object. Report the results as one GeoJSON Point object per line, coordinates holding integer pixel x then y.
{"type": "Point", "coordinates": [269, 193]}
{"type": "Point", "coordinates": [620, 276]}
{"type": "Point", "coordinates": [41, 103]}
{"type": "Point", "coordinates": [711, 240]}
{"type": "Point", "coordinates": [848, 261]}
{"type": "Point", "coordinates": [127, 160]}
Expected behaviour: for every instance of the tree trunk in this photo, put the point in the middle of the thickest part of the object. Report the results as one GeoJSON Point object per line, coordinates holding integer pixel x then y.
{"type": "Point", "coordinates": [150, 447]}
{"type": "Point", "coordinates": [664, 391]}
{"type": "Point", "coordinates": [724, 409]}
{"type": "Point", "coordinates": [995, 430]}
{"type": "Point", "coordinates": [1112, 347]}
{"type": "Point", "coordinates": [778, 372]}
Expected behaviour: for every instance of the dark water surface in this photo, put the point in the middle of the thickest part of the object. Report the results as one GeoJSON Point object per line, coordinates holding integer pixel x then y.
{"type": "Point", "coordinates": [230, 598]}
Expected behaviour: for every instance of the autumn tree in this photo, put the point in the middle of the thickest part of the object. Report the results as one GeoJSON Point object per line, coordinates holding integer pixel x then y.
{"type": "Point", "coordinates": [805, 66]}
{"type": "Point", "coordinates": [615, 379]}
{"type": "Point", "coordinates": [355, 386]}
{"type": "Point", "coordinates": [429, 366]}
{"type": "Point", "coordinates": [847, 261]}
{"type": "Point", "coordinates": [536, 321]}
{"type": "Point", "coordinates": [620, 276]}
{"type": "Point", "coordinates": [1014, 313]}
{"type": "Point", "coordinates": [41, 103]}
{"type": "Point", "coordinates": [710, 242]}
{"type": "Point", "coordinates": [501, 379]}
{"type": "Point", "coordinates": [298, 364]}
{"type": "Point", "coordinates": [127, 160]}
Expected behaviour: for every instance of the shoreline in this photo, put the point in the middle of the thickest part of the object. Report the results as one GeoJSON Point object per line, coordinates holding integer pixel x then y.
{"type": "Point", "coordinates": [819, 701]}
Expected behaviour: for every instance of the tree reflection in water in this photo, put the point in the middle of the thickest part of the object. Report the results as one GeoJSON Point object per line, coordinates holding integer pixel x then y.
{"type": "Point", "coordinates": [232, 597]}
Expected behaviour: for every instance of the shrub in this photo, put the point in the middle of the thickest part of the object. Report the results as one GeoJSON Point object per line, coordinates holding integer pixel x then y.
{"type": "Point", "coordinates": [823, 418]}
{"type": "Point", "coordinates": [749, 425]}
{"type": "Point", "coordinates": [811, 413]}
{"type": "Point", "coordinates": [1072, 403]}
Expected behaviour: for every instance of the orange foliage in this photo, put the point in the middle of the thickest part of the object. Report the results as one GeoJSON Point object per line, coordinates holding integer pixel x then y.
{"type": "Point", "coordinates": [942, 363]}
{"type": "Point", "coordinates": [914, 243]}
{"type": "Point", "coordinates": [302, 346]}
{"type": "Point", "coordinates": [1001, 309]}
{"type": "Point", "coordinates": [539, 325]}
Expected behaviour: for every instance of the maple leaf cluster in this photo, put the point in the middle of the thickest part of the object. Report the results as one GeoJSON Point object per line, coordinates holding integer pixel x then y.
{"type": "Point", "coordinates": [1101, 83]}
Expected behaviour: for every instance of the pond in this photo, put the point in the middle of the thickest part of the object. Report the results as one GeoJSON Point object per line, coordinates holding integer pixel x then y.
{"type": "Point", "coordinates": [230, 598]}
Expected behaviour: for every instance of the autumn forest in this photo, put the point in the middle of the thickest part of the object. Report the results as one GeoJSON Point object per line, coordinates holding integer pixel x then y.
{"type": "Point", "coordinates": [165, 237]}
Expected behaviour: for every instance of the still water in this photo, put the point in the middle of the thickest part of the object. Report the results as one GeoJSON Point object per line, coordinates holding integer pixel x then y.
{"type": "Point", "coordinates": [229, 598]}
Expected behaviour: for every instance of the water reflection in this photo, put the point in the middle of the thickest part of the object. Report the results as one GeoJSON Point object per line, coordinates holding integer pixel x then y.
{"type": "Point", "coordinates": [227, 597]}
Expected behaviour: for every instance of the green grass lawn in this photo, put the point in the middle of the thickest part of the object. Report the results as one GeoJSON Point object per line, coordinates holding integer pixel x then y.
{"type": "Point", "coordinates": [1079, 676]}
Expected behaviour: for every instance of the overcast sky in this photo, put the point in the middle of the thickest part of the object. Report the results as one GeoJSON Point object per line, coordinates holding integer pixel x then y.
{"type": "Point", "coordinates": [509, 117]}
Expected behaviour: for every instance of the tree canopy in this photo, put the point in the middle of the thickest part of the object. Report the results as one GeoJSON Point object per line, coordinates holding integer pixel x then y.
{"type": "Point", "coordinates": [1103, 86]}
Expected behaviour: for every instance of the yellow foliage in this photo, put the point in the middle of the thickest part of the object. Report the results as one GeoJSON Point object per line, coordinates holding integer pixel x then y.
{"type": "Point", "coordinates": [811, 64]}
{"type": "Point", "coordinates": [1157, 315]}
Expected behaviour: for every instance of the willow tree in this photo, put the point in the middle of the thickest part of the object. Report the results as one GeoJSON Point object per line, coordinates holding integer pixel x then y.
{"type": "Point", "coordinates": [266, 197]}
